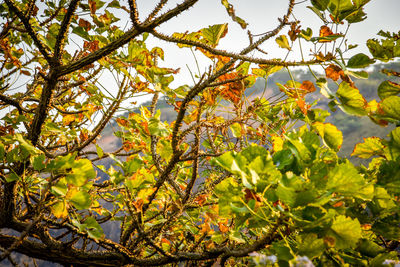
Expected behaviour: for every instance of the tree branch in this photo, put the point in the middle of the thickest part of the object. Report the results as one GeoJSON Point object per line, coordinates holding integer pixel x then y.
{"type": "Point", "coordinates": [42, 47]}
{"type": "Point", "coordinates": [62, 34]}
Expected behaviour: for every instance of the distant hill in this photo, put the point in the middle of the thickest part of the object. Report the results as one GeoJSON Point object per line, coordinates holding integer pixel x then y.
{"type": "Point", "coordinates": [352, 127]}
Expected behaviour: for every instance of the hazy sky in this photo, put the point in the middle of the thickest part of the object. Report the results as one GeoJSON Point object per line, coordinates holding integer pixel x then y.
{"type": "Point", "coordinates": [262, 16]}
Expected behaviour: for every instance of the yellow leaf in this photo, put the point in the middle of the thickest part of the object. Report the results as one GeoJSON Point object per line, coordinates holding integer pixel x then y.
{"type": "Point", "coordinates": [60, 209]}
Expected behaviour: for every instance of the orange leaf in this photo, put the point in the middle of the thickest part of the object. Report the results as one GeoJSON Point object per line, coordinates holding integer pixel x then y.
{"type": "Point", "coordinates": [166, 241]}
{"type": "Point", "coordinates": [334, 72]}
{"type": "Point", "coordinates": [302, 105]}
{"type": "Point", "coordinates": [366, 226]}
{"type": "Point", "coordinates": [91, 46]}
{"type": "Point", "coordinates": [138, 204]}
{"type": "Point", "coordinates": [338, 204]}
{"type": "Point", "coordinates": [85, 24]}
{"type": "Point", "coordinates": [223, 228]}
{"type": "Point", "coordinates": [83, 136]}
{"type": "Point", "coordinates": [122, 122]}
{"type": "Point", "coordinates": [323, 57]}
{"type": "Point", "coordinates": [201, 199]}
{"type": "Point", "coordinates": [231, 91]}
{"type": "Point", "coordinates": [307, 86]}
{"type": "Point", "coordinates": [294, 31]}
{"type": "Point", "coordinates": [25, 72]}
{"type": "Point", "coordinates": [92, 6]}
{"type": "Point", "coordinates": [325, 31]}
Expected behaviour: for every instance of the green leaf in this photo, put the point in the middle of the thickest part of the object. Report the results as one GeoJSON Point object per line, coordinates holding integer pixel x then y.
{"type": "Point", "coordinates": [93, 228]}
{"type": "Point", "coordinates": [387, 230]}
{"type": "Point", "coordinates": [345, 180]}
{"type": "Point", "coordinates": [320, 14]}
{"type": "Point", "coordinates": [82, 171]}
{"type": "Point", "coordinates": [388, 88]}
{"type": "Point", "coordinates": [369, 248]}
{"type": "Point", "coordinates": [2, 151]}
{"type": "Point", "coordinates": [132, 165]}
{"type": "Point", "coordinates": [38, 162]}
{"type": "Point", "coordinates": [338, 8]}
{"type": "Point", "coordinates": [359, 61]}
{"type": "Point", "coordinates": [282, 251]}
{"type": "Point", "coordinates": [231, 12]}
{"type": "Point", "coordinates": [320, 4]}
{"type": "Point", "coordinates": [391, 107]}
{"type": "Point", "coordinates": [114, 4]}
{"type": "Point", "coordinates": [80, 31]}
{"type": "Point", "coordinates": [306, 34]}
{"type": "Point", "coordinates": [310, 245]}
{"type": "Point", "coordinates": [269, 69]}
{"type": "Point", "coordinates": [236, 129]}
{"type": "Point", "coordinates": [328, 38]}
{"type": "Point", "coordinates": [352, 101]}
{"type": "Point", "coordinates": [283, 158]}
{"type": "Point", "coordinates": [372, 146]}
{"type": "Point", "coordinates": [228, 192]}
{"type": "Point", "coordinates": [25, 144]}
{"type": "Point", "coordinates": [331, 136]}
{"type": "Point", "coordinates": [214, 33]}
{"type": "Point", "coordinates": [157, 128]}
{"type": "Point", "coordinates": [60, 188]}
{"type": "Point", "coordinates": [12, 177]}
{"type": "Point", "coordinates": [81, 200]}
{"type": "Point", "coordinates": [99, 151]}
{"type": "Point", "coordinates": [395, 136]}
{"type": "Point", "coordinates": [384, 50]}
{"type": "Point", "coordinates": [346, 232]}
{"type": "Point", "coordinates": [283, 42]}
{"type": "Point", "coordinates": [298, 148]}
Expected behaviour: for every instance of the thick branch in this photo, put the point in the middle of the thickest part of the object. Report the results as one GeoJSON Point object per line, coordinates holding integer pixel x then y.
{"type": "Point", "coordinates": [42, 47]}
{"type": "Point", "coordinates": [62, 34]}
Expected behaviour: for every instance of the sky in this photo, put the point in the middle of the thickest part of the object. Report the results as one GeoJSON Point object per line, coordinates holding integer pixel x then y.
{"type": "Point", "coordinates": [262, 16]}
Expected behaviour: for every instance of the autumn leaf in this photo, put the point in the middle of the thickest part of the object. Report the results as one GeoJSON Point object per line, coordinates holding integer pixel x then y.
{"type": "Point", "coordinates": [122, 122]}
{"type": "Point", "coordinates": [334, 72]}
{"type": "Point", "coordinates": [294, 31]}
{"type": "Point", "coordinates": [283, 42]}
{"type": "Point", "coordinates": [222, 227]}
{"type": "Point", "coordinates": [91, 46]}
{"type": "Point", "coordinates": [302, 105]}
{"type": "Point", "coordinates": [249, 194]}
{"type": "Point", "coordinates": [232, 91]}
{"type": "Point", "coordinates": [325, 31]}
{"type": "Point", "coordinates": [323, 57]}
{"type": "Point", "coordinates": [85, 24]}
{"type": "Point", "coordinates": [307, 86]}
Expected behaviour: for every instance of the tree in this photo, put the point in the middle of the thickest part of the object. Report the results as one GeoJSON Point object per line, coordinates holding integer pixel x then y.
{"type": "Point", "coordinates": [263, 185]}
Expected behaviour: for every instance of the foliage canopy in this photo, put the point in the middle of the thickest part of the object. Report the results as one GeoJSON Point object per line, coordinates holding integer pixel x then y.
{"type": "Point", "coordinates": [233, 180]}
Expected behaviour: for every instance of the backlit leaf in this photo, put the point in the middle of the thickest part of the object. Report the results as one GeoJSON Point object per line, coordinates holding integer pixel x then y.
{"type": "Point", "coordinates": [331, 136]}
{"type": "Point", "coordinates": [372, 146]}
{"type": "Point", "coordinates": [390, 107]}
{"type": "Point", "coordinates": [59, 209]}
{"type": "Point", "coordinates": [333, 72]}
{"type": "Point", "coordinates": [283, 42]}
{"type": "Point", "coordinates": [81, 200]}
{"type": "Point", "coordinates": [388, 88]}
{"type": "Point", "coordinates": [346, 232]}
{"type": "Point", "coordinates": [214, 33]}
{"type": "Point", "coordinates": [236, 129]}
{"type": "Point", "coordinates": [345, 179]}
{"type": "Point", "coordinates": [352, 101]}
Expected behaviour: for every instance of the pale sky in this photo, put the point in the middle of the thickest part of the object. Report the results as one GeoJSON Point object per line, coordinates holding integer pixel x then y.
{"type": "Point", "coordinates": [262, 16]}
